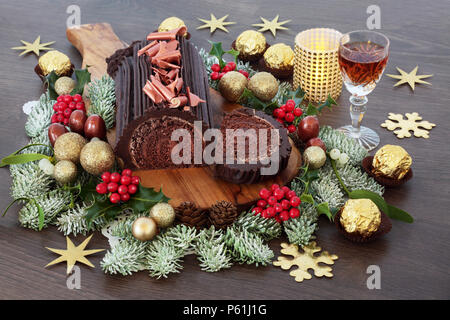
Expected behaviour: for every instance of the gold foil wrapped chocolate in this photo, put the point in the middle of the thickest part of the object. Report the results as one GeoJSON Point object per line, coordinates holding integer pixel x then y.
{"type": "Point", "coordinates": [251, 43]}
{"type": "Point", "coordinates": [279, 56]}
{"type": "Point", "coordinates": [170, 24]}
{"type": "Point", "coordinates": [55, 61]}
{"type": "Point", "coordinates": [360, 216]}
{"type": "Point", "coordinates": [391, 161]}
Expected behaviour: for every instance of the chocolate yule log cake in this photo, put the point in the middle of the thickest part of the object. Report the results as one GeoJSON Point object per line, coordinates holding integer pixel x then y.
{"type": "Point", "coordinates": [162, 73]}
{"type": "Point", "coordinates": [248, 168]}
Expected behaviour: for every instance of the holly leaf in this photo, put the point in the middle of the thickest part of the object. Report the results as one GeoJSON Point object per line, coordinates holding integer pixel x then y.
{"type": "Point", "coordinates": [323, 208]}
{"type": "Point", "coordinates": [83, 77]}
{"type": "Point", "coordinates": [50, 80]}
{"type": "Point", "coordinates": [217, 51]}
{"type": "Point", "coordinates": [234, 53]}
{"type": "Point", "coordinates": [102, 208]}
{"type": "Point", "coordinates": [145, 199]}
{"type": "Point", "coordinates": [328, 103]}
{"type": "Point", "coordinates": [88, 192]}
{"type": "Point", "coordinates": [307, 198]}
{"type": "Point", "coordinates": [311, 110]}
{"type": "Point", "coordinates": [297, 95]}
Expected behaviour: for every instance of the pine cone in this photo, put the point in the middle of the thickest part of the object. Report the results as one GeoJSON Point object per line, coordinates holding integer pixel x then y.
{"type": "Point", "coordinates": [222, 214]}
{"type": "Point", "coordinates": [188, 214]}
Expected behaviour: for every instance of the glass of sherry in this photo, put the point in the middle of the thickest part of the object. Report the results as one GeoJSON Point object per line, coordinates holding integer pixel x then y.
{"type": "Point", "coordinates": [362, 58]}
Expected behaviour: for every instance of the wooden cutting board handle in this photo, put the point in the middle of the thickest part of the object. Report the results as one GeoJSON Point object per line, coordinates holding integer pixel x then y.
{"type": "Point", "coordinates": [95, 42]}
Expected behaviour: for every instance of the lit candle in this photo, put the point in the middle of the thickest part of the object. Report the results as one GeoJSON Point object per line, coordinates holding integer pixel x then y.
{"type": "Point", "coordinates": [316, 66]}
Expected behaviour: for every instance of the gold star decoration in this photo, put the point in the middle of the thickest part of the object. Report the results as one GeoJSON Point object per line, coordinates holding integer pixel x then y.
{"type": "Point", "coordinates": [74, 254]}
{"type": "Point", "coordinates": [305, 261]}
{"type": "Point", "coordinates": [410, 78]}
{"type": "Point", "coordinates": [215, 23]}
{"type": "Point", "coordinates": [34, 47]}
{"type": "Point", "coordinates": [273, 25]}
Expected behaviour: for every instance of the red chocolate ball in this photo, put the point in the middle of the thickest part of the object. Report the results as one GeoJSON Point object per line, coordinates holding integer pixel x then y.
{"type": "Point", "coordinates": [95, 127]}
{"type": "Point", "coordinates": [54, 131]}
{"type": "Point", "coordinates": [308, 128]}
{"type": "Point", "coordinates": [77, 121]}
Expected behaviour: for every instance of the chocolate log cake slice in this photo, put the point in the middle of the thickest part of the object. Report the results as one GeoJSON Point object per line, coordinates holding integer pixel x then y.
{"type": "Point", "coordinates": [146, 142]}
{"type": "Point", "coordinates": [258, 156]}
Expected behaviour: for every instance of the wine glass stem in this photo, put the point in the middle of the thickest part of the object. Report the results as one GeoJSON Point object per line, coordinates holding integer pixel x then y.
{"type": "Point", "coordinates": [357, 111]}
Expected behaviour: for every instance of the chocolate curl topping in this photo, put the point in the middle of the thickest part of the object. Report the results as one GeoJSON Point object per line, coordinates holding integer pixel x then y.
{"type": "Point", "coordinates": [194, 100]}
{"type": "Point", "coordinates": [168, 35]}
{"type": "Point", "coordinates": [153, 50]}
{"type": "Point", "coordinates": [163, 64]}
{"type": "Point", "coordinates": [162, 89]}
{"type": "Point", "coordinates": [152, 93]}
{"type": "Point", "coordinates": [169, 56]}
{"type": "Point", "coordinates": [179, 84]}
{"type": "Point", "coordinates": [172, 74]}
{"type": "Point", "coordinates": [179, 101]}
{"type": "Point", "coordinates": [144, 49]}
{"type": "Point", "coordinates": [172, 45]}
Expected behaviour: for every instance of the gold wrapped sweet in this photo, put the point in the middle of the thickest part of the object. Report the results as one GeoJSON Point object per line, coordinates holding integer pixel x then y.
{"type": "Point", "coordinates": [263, 85]}
{"type": "Point", "coordinates": [55, 61]}
{"type": "Point", "coordinates": [360, 216]}
{"type": "Point", "coordinates": [170, 24]}
{"type": "Point", "coordinates": [251, 43]}
{"type": "Point", "coordinates": [391, 161]}
{"type": "Point", "coordinates": [232, 85]}
{"type": "Point", "coordinates": [279, 56]}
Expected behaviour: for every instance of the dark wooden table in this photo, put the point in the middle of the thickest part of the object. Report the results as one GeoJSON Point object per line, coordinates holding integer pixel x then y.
{"type": "Point", "coordinates": [413, 258]}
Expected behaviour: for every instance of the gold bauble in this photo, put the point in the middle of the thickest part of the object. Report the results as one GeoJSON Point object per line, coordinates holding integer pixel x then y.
{"type": "Point", "coordinates": [55, 61]}
{"type": "Point", "coordinates": [144, 229]}
{"type": "Point", "coordinates": [279, 56]}
{"type": "Point", "coordinates": [315, 157]}
{"type": "Point", "coordinates": [391, 161]}
{"type": "Point", "coordinates": [64, 85]}
{"type": "Point", "coordinates": [163, 213]}
{"type": "Point", "coordinates": [97, 157]}
{"type": "Point", "coordinates": [360, 216]}
{"type": "Point", "coordinates": [170, 24]}
{"type": "Point", "coordinates": [68, 147]}
{"type": "Point", "coordinates": [251, 42]}
{"type": "Point", "coordinates": [232, 85]}
{"type": "Point", "coordinates": [263, 85]}
{"type": "Point", "coordinates": [65, 171]}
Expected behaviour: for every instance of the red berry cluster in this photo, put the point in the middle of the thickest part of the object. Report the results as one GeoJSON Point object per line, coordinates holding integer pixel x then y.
{"type": "Point", "coordinates": [217, 72]}
{"type": "Point", "coordinates": [286, 115]}
{"type": "Point", "coordinates": [64, 106]}
{"type": "Point", "coordinates": [280, 203]}
{"type": "Point", "coordinates": [119, 186]}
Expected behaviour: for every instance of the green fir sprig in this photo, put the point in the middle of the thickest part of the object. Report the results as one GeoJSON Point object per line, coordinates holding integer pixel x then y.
{"type": "Point", "coordinates": [103, 100]}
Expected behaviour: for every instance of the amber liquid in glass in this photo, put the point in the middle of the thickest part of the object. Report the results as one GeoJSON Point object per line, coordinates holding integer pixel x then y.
{"type": "Point", "coordinates": [362, 64]}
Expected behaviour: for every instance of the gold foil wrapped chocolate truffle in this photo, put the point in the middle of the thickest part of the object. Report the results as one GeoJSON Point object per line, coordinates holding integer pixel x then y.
{"type": "Point", "coordinates": [250, 43]}
{"type": "Point", "coordinates": [170, 24]}
{"type": "Point", "coordinates": [315, 157]}
{"type": "Point", "coordinates": [232, 85]}
{"type": "Point", "coordinates": [360, 216]}
{"type": "Point", "coordinates": [279, 56]}
{"type": "Point", "coordinates": [391, 161]}
{"type": "Point", "coordinates": [263, 85]}
{"type": "Point", "coordinates": [55, 61]}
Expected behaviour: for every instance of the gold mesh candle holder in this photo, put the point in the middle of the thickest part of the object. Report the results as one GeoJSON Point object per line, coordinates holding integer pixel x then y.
{"type": "Point", "coordinates": [316, 65]}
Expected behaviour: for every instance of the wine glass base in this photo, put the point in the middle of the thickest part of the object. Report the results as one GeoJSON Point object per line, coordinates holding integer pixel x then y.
{"type": "Point", "coordinates": [366, 137]}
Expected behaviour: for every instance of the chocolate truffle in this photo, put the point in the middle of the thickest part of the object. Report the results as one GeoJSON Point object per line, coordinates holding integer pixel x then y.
{"type": "Point", "coordinates": [279, 60]}
{"type": "Point", "coordinates": [360, 216]}
{"type": "Point", "coordinates": [251, 45]}
{"type": "Point", "coordinates": [391, 161]}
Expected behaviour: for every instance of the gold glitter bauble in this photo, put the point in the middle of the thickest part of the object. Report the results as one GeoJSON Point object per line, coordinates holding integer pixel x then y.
{"type": "Point", "coordinates": [263, 85]}
{"type": "Point", "coordinates": [55, 61]}
{"type": "Point", "coordinates": [65, 171]}
{"type": "Point", "coordinates": [68, 147]}
{"type": "Point", "coordinates": [97, 157]}
{"type": "Point", "coordinates": [361, 216]}
{"type": "Point", "coordinates": [391, 161]}
{"type": "Point", "coordinates": [144, 229]}
{"type": "Point", "coordinates": [250, 43]}
{"type": "Point", "coordinates": [315, 157]}
{"type": "Point", "coordinates": [163, 214]}
{"type": "Point", "coordinates": [64, 85]}
{"type": "Point", "coordinates": [170, 24]}
{"type": "Point", "coordinates": [279, 56]}
{"type": "Point", "coordinates": [232, 85]}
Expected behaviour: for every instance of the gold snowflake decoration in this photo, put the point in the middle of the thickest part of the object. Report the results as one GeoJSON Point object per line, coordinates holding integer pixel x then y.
{"type": "Point", "coordinates": [273, 25]}
{"type": "Point", "coordinates": [404, 126]}
{"type": "Point", "coordinates": [34, 47]}
{"type": "Point", "coordinates": [305, 261]}
{"type": "Point", "coordinates": [215, 23]}
{"type": "Point", "coordinates": [410, 78]}
{"type": "Point", "coordinates": [74, 254]}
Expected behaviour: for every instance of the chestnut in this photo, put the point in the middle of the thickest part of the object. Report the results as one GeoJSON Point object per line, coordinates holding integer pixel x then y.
{"type": "Point", "coordinates": [77, 120]}
{"type": "Point", "coordinates": [95, 127]}
{"type": "Point", "coordinates": [54, 131]}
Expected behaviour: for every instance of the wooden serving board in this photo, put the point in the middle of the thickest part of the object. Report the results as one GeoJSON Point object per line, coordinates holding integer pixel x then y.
{"type": "Point", "coordinates": [98, 41]}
